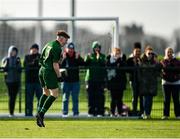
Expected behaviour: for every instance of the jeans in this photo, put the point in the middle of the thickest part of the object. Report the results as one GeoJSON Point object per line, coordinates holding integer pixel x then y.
{"type": "Point", "coordinates": [73, 90]}
{"type": "Point", "coordinates": [31, 89]}
{"type": "Point", "coordinates": [148, 104]}
{"type": "Point", "coordinates": [174, 91]}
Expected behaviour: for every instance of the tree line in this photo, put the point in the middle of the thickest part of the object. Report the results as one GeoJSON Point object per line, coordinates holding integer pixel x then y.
{"type": "Point", "coordinates": [24, 37]}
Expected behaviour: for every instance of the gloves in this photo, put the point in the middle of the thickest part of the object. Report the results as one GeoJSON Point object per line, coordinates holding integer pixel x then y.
{"type": "Point", "coordinates": [60, 79]}
{"type": "Point", "coordinates": [63, 75]}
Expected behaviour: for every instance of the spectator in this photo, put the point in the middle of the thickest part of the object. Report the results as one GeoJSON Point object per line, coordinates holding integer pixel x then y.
{"type": "Point", "coordinates": [170, 82]}
{"type": "Point", "coordinates": [135, 62]}
{"type": "Point", "coordinates": [148, 81]}
{"type": "Point", "coordinates": [116, 80]}
{"type": "Point", "coordinates": [95, 78]}
{"type": "Point", "coordinates": [71, 60]}
{"type": "Point", "coordinates": [32, 85]}
{"type": "Point", "coordinates": [12, 69]}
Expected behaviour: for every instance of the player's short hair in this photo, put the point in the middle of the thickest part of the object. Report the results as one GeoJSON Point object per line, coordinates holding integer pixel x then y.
{"type": "Point", "coordinates": [63, 34]}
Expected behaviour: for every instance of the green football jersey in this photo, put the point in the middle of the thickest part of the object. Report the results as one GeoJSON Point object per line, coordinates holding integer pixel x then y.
{"type": "Point", "coordinates": [50, 54]}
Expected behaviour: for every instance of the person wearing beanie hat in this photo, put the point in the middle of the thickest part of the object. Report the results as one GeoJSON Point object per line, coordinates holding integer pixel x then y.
{"type": "Point", "coordinates": [32, 84]}
{"type": "Point", "coordinates": [49, 74]}
{"type": "Point", "coordinates": [95, 78]}
{"type": "Point", "coordinates": [71, 46]}
{"type": "Point", "coordinates": [35, 46]}
{"type": "Point", "coordinates": [71, 85]}
{"type": "Point", "coordinates": [12, 76]}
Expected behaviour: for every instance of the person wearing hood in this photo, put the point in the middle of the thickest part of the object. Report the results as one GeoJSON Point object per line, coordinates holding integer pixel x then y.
{"type": "Point", "coordinates": [170, 82]}
{"type": "Point", "coordinates": [12, 70]}
{"type": "Point", "coordinates": [95, 78]}
{"type": "Point", "coordinates": [71, 86]}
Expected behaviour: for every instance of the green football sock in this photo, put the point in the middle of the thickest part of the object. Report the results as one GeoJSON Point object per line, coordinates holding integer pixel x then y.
{"type": "Point", "coordinates": [41, 102]}
{"type": "Point", "coordinates": [47, 104]}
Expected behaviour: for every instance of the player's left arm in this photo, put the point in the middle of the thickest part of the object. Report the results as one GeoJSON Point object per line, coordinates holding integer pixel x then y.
{"type": "Point", "coordinates": [56, 69]}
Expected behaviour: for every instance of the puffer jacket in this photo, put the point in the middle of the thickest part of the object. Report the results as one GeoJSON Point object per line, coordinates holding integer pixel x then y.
{"type": "Point", "coordinates": [149, 72]}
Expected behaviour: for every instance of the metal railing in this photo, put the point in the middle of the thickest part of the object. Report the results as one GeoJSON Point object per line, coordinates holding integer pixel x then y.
{"type": "Point", "coordinates": [157, 109]}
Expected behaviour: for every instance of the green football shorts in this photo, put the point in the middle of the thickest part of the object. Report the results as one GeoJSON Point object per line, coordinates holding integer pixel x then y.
{"type": "Point", "coordinates": [48, 78]}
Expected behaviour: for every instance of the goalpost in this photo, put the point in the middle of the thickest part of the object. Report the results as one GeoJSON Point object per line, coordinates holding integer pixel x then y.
{"type": "Point", "coordinates": [38, 30]}
{"type": "Point", "coordinates": [39, 19]}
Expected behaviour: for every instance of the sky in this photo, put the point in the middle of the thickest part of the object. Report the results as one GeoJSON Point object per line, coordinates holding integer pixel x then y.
{"type": "Point", "coordinates": [158, 17]}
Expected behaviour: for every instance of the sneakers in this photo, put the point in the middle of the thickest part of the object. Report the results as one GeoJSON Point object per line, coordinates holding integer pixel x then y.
{"type": "Point", "coordinates": [165, 118]}
{"type": "Point", "coordinates": [119, 115]}
{"type": "Point", "coordinates": [90, 115]}
{"type": "Point", "coordinates": [11, 115]}
{"type": "Point", "coordinates": [99, 116]}
{"type": "Point", "coordinates": [39, 120]}
{"type": "Point", "coordinates": [177, 117]}
{"type": "Point", "coordinates": [112, 115]}
{"type": "Point", "coordinates": [75, 115]}
{"type": "Point", "coordinates": [65, 115]}
{"type": "Point", "coordinates": [145, 117]}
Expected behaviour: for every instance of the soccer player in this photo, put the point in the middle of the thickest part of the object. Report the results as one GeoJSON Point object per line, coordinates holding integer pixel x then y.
{"type": "Point", "coordinates": [49, 74]}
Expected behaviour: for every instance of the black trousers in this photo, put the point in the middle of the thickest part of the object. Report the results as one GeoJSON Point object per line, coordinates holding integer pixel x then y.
{"type": "Point", "coordinates": [136, 97]}
{"type": "Point", "coordinates": [13, 89]}
{"type": "Point", "coordinates": [171, 90]}
{"type": "Point", "coordinates": [116, 101]}
{"type": "Point", "coordinates": [96, 98]}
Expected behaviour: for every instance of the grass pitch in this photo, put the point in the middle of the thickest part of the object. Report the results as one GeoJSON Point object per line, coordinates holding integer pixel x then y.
{"type": "Point", "coordinates": [90, 128]}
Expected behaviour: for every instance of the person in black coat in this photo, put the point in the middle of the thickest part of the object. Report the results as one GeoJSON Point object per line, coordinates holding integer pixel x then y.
{"type": "Point", "coordinates": [116, 80]}
{"type": "Point", "coordinates": [149, 72]}
{"type": "Point", "coordinates": [134, 62]}
{"type": "Point", "coordinates": [32, 84]}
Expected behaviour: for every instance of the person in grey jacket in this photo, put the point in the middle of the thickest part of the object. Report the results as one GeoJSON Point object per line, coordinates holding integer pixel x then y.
{"type": "Point", "coordinates": [12, 70]}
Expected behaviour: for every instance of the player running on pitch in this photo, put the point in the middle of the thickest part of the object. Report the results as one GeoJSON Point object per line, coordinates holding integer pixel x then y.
{"type": "Point", "coordinates": [49, 74]}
